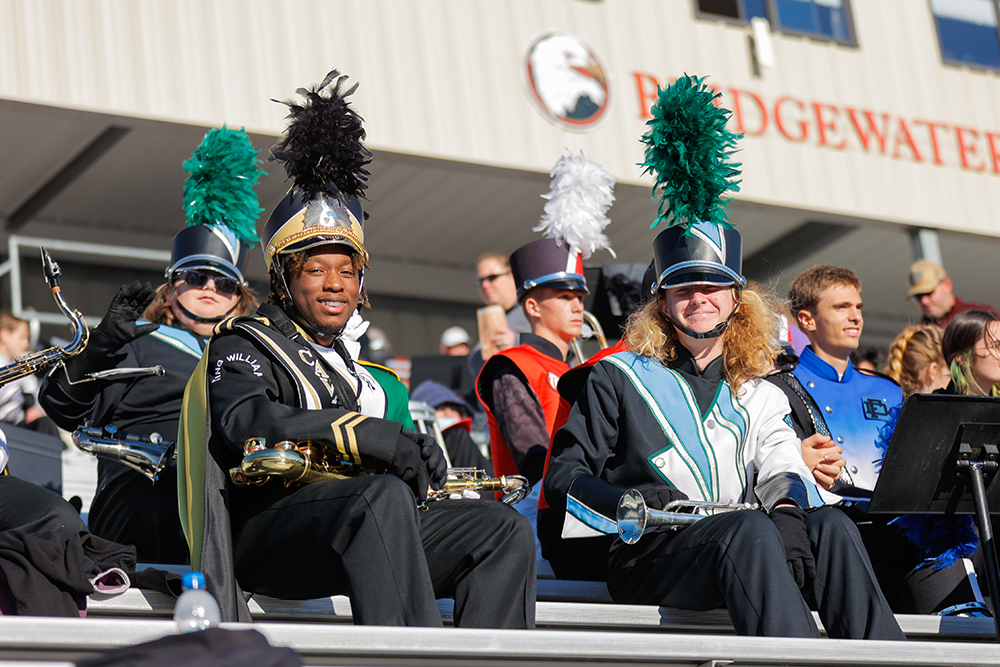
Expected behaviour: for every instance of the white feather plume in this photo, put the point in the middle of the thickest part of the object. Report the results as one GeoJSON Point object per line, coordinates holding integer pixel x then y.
{"type": "Point", "coordinates": [581, 194]}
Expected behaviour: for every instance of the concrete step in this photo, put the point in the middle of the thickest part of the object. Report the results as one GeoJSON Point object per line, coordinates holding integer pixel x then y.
{"type": "Point", "coordinates": [550, 613]}
{"type": "Point", "coordinates": [53, 639]}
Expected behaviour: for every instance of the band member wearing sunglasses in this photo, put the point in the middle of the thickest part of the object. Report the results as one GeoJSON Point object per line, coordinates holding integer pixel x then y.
{"type": "Point", "coordinates": [144, 328]}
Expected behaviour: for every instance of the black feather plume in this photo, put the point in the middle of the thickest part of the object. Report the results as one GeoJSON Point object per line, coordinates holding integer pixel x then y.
{"type": "Point", "coordinates": [322, 149]}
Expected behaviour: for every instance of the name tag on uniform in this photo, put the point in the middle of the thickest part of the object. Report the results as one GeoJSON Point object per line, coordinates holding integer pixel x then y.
{"type": "Point", "coordinates": [875, 408]}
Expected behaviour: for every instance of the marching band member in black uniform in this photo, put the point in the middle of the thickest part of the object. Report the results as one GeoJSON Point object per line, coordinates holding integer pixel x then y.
{"type": "Point", "coordinates": [32, 508]}
{"type": "Point", "coordinates": [292, 373]}
{"type": "Point", "coordinates": [683, 414]}
{"type": "Point", "coordinates": [167, 328]}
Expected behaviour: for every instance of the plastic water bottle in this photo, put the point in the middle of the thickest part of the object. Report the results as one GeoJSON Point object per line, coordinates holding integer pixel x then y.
{"type": "Point", "coordinates": [196, 609]}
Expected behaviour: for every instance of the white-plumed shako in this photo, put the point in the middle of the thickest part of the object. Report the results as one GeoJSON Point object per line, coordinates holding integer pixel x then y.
{"type": "Point", "coordinates": [576, 213]}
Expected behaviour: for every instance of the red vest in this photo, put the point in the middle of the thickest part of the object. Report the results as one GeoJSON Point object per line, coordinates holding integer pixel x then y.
{"type": "Point", "coordinates": [564, 407]}
{"type": "Point", "coordinates": [542, 373]}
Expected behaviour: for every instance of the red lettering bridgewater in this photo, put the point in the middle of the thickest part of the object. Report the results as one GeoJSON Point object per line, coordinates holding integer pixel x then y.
{"type": "Point", "coordinates": [841, 127]}
{"type": "Point", "coordinates": [865, 135]}
{"type": "Point", "coordinates": [647, 96]}
{"type": "Point", "coordinates": [823, 124]}
{"type": "Point", "coordinates": [903, 136]}
{"type": "Point", "coordinates": [738, 112]}
{"type": "Point", "coordinates": [994, 141]}
{"type": "Point", "coordinates": [932, 130]}
{"type": "Point", "coordinates": [965, 149]}
{"type": "Point", "coordinates": [803, 124]}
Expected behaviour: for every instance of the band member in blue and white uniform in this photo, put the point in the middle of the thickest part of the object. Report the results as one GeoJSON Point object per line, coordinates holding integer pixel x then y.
{"type": "Point", "coordinates": [683, 415]}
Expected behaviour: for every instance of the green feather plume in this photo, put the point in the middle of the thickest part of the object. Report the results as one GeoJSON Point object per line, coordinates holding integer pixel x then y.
{"type": "Point", "coordinates": [687, 150]}
{"type": "Point", "coordinates": [219, 189]}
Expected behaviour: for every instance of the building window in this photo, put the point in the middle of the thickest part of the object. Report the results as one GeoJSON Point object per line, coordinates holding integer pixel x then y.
{"type": "Point", "coordinates": [967, 31]}
{"type": "Point", "coordinates": [824, 19]}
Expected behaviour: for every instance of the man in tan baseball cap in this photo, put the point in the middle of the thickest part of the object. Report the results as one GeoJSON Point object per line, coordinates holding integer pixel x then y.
{"type": "Point", "coordinates": [931, 289]}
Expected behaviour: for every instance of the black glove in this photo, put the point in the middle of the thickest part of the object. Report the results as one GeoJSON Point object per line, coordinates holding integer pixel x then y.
{"type": "Point", "coordinates": [430, 452]}
{"type": "Point", "coordinates": [118, 326]}
{"type": "Point", "coordinates": [791, 525]}
{"type": "Point", "coordinates": [408, 465]}
{"type": "Point", "coordinates": [657, 497]}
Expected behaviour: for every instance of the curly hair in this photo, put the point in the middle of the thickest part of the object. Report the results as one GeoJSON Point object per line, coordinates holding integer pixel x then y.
{"type": "Point", "coordinates": [750, 342]}
{"type": "Point", "coordinates": [160, 312]}
{"type": "Point", "coordinates": [292, 263]}
{"type": "Point", "coordinates": [913, 351]}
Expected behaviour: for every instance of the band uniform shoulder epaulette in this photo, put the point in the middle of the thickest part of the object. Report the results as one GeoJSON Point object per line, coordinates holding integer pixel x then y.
{"type": "Point", "coordinates": [371, 364]}
{"type": "Point", "coordinates": [230, 324]}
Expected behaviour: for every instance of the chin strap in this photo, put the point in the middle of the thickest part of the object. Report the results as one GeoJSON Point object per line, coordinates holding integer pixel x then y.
{"type": "Point", "coordinates": [198, 319]}
{"type": "Point", "coordinates": [717, 331]}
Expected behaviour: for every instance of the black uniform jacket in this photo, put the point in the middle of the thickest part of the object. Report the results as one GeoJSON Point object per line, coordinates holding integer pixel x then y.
{"type": "Point", "coordinates": [261, 378]}
{"type": "Point", "coordinates": [142, 405]}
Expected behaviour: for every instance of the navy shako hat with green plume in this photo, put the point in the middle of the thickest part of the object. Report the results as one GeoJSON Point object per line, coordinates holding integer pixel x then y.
{"type": "Point", "coordinates": [688, 151]}
{"type": "Point", "coordinates": [220, 205]}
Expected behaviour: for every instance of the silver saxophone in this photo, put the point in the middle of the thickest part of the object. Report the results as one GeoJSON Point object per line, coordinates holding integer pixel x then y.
{"type": "Point", "coordinates": [149, 455]}
{"type": "Point", "coordinates": [35, 362]}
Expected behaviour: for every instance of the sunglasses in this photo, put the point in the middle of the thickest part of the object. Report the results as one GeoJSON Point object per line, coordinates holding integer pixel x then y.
{"type": "Point", "coordinates": [493, 276]}
{"type": "Point", "coordinates": [223, 284]}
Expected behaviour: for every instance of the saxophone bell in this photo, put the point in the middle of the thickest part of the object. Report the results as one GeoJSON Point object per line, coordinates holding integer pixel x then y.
{"type": "Point", "coordinates": [147, 455]}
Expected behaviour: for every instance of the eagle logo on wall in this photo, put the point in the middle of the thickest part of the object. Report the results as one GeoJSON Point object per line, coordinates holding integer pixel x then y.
{"type": "Point", "coordinates": [567, 82]}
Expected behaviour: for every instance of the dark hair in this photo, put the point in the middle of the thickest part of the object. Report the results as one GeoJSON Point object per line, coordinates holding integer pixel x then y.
{"type": "Point", "coordinates": [873, 355]}
{"type": "Point", "coordinates": [292, 263]}
{"type": "Point", "coordinates": [959, 340]}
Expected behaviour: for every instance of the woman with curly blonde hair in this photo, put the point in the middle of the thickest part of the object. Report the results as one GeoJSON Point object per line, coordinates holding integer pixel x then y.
{"type": "Point", "coordinates": [916, 360]}
{"type": "Point", "coordinates": [684, 414]}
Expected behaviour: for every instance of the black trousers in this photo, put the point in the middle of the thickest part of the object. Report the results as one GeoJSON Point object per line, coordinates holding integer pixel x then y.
{"type": "Point", "coordinates": [365, 537]}
{"type": "Point", "coordinates": [130, 509]}
{"type": "Point", "coordinates": [578, 559]}
{"type": "Point", "coordinates": [33, 509]}
{"type": "Point", "coordinates": [737, 560]}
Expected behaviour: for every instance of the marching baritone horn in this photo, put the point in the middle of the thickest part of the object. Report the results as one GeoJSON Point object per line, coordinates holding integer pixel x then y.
{"type": "Point", "coordinates": [634, 517]}
{"type": "Point", "coordinates": [148, 455]}
{"type": "Point", "coordinates": [295, 463]}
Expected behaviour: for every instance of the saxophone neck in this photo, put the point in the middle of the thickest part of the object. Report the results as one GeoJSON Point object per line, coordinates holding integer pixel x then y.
{"type": "Point", "coordinates": [80, 331]}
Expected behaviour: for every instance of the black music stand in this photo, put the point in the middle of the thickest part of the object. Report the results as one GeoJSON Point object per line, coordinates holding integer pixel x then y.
{"type": "Point", "coordinates": [942, 459]}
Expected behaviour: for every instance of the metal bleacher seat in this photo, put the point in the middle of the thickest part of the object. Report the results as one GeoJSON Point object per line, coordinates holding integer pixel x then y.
{"type": "Point", "coordinates": [562, 605]}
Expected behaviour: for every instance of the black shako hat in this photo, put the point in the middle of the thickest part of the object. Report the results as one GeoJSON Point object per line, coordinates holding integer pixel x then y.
{"type": "Point", "coordinates": [209, 246]}
{"type": "Point", "coordinates": [323, 153]}
{"type": "Point", "coordinates": [298, 223]}
{"type": "Point", "coordinates": [547, 263]}
{"type": "Point", "coordinates": [700, 254]}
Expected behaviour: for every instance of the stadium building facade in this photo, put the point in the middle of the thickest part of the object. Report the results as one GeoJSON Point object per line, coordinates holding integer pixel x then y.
{"type": "Point", "coordinates": [872, 131]}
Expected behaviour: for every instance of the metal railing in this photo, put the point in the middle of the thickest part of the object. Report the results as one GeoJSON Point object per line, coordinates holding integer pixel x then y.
{"type": "Point", "coordinates": [12, 266]}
